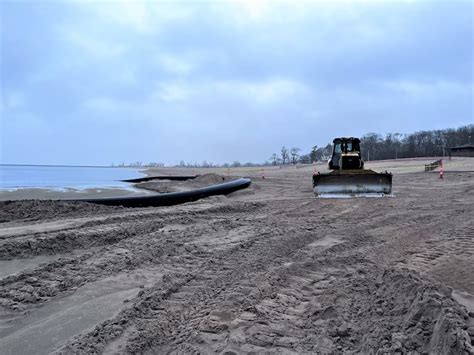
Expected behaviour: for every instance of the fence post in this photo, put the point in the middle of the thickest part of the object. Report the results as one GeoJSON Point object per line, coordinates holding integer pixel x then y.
{"type": "Point", "coordinates": [441, 172]}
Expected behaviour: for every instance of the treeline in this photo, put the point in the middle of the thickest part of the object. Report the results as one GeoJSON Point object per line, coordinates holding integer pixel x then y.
{"type": "Point", "coordinates": [418, 144]}
{"type": "Point", "coordinates": [293, 156]}
{"type": "Point", "coordinates": [138, 164]}
{"type": "Point", "coordinates": [182, 164]}
{"type": "Point", "coordinates": [393, 146]}
{"type": "Point", "coordinates": [206, 164]}
{"type": "Point", "coordinates": [374, 146]}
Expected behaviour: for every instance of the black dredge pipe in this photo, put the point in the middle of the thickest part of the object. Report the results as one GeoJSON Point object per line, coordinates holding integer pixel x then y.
{"type": "Point", "coordinates": [172, 177]}
{"type": "Point", "coordinates": [172, 198]}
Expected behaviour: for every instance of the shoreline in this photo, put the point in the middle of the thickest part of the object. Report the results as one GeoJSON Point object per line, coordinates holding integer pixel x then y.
{"type": "Point", "coordinates": [66, 193]}
{"type": "Point", "coordinates": [75, 166]}
{"type": "Point", "coordinates": [63, 188]}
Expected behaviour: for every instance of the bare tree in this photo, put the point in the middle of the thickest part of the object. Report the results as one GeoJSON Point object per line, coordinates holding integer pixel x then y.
{"type": "Point", "coordinates": [284, 155]}
{"type": "Point", "coordinates": [274, 159]}
{"type": "Point", "coordinates": [313, 156]}
{"type": "Point", "coordinates": [305, 159]}
{"type": "Point", "coordinates": [294, 154]}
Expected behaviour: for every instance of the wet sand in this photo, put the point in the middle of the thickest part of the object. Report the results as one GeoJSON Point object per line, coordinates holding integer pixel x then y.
{"type": "Point", "coordinates": [53, 194]}
{"type": "Point", "coordinates": [270, 268]}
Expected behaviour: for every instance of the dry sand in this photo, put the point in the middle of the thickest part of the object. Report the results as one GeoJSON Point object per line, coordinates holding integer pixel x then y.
{"type": "Point", "coordinates": [267, 269]}
{"type": "Point", "coordinates": [165, 186]}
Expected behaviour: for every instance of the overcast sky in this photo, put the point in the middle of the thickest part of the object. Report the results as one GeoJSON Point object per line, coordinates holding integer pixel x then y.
{"type": "Point", "coordinates": [102, 82]}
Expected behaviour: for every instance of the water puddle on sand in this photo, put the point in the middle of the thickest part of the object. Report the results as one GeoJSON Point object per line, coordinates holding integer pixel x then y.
{"type": "Point", "coordinates": [49, 327]}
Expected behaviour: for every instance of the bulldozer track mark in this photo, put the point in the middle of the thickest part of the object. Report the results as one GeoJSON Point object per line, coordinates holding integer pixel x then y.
{"type": "Point", "coordinates": [227, 277]}
{"type": "Point", "coordinates": [99, 232]}
{"type": "Point", "coordinates": [120, 248]}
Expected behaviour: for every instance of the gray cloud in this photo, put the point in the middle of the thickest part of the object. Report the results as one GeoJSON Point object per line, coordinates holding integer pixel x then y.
{"type": "Point", "coordinates": [126, 81]}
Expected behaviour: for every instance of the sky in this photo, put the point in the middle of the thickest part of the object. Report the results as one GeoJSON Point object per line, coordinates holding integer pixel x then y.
{"type": "Point", "coordinates": [101, 82]}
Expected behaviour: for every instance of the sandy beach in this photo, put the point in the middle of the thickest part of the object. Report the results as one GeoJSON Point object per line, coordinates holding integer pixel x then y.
{"type": "Point", "coordinates": [267, 269]}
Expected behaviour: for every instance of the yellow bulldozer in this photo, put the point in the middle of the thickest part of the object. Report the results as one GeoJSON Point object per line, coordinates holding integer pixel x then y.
{"type": "Point", "coordinates": [348, 177]}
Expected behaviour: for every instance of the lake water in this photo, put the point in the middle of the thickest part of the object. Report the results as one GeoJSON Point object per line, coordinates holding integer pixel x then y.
{"type": "Point", "coordinates": [58, 177]}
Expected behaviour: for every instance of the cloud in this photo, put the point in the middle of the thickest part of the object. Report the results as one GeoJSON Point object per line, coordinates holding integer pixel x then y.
{"type": "Point", "coordinates": [171, 92]}
{"type": "Point", "coordinates": [13, 100]}
{"type": "Point", "coordinates": [141, 17]}
{"type": "Point", "coordinates": [174, 64]}
{"type": "Point", "coordinates": [91, 46]}
{"type": "Point", "coordinates": [234, 79]}
{"type": "Point", "coordinates": [421, 89]}
{"type": "Point", "coordinates": [262, 92]}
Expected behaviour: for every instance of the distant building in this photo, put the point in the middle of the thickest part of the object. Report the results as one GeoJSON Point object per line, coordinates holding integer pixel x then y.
{"type": "Point", "coordinates": [466, 150]}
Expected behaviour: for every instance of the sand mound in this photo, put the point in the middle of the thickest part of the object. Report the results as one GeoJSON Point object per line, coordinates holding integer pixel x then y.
{"type": "Point", "coordinates": [166, 186]}
{"type": "Point", "coordinates": [33, 210]}
{"type": "Point", "coordinates": [400, 312]}
{"type": "Point", "coordinates": [161, 186]}
{"type": "Point", "coordinates": [208, 179]}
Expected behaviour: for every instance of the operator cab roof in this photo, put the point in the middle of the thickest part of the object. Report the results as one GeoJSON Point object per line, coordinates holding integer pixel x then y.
{"type": "Point", "coordinates": [345, 139]}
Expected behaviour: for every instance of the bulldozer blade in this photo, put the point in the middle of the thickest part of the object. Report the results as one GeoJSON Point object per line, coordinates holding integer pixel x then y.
{"type": "Point", "coordinates": [352, 184]}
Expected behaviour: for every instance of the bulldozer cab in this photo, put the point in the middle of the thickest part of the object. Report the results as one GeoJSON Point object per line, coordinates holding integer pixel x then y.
{"type": "Point", "coordinates": [346, 150]}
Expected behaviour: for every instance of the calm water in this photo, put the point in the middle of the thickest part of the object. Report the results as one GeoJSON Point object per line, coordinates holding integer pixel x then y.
{"type": "Point", "coordinates": [13, 177]}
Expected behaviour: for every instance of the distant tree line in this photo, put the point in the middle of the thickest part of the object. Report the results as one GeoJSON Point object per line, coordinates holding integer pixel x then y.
{"type": "Point", "coordinates": [206, 164]}
{"type": "Point", "coordinates": [182, 164]}
{"type": "Point", "coordinates": [137, 164]}
{"type": "Point", "coordinates": [393, 146]}
{"type": "Point", "coordinates": [418, 144]}
{"type": "Point", "coordinates": [374, 146]}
